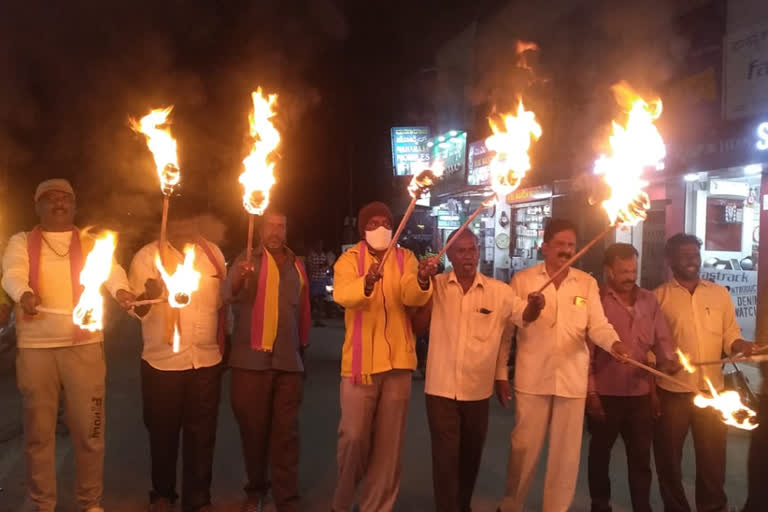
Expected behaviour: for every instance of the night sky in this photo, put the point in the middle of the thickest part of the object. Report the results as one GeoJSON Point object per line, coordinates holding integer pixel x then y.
{"type": "Point", "coordinates": [76, 71]}
{"type": "Point", "coordinates": [345, 71]}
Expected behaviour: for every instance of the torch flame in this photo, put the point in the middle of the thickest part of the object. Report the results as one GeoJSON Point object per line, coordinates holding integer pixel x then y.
{"type": "Point", "coordinates": [685, 361]}
{"type": "Point", "coordinates": [258, 177]}
{"type": "Point", "coordinates": [732, 411]}
{"type": "Point", "coordinates": [511, 142]}
{"type": "Point", "coordinates": [633, 148]}
{"type": "Point", "coordinates": [89, 312]}
{"type": "Point", "coordinates": [184, 280]}
{"type": "Point", "coordinates": [162, 146]}
{"type": "Point", "coordinates": [425, 179]}
{"type": "Point", "coordinates": [176, 339]}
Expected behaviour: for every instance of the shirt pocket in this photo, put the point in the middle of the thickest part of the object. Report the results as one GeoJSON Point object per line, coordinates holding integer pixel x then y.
{"type": "Point", "coordinates": [481, 325]}
{"type": "Point", "coordinates": [577, 316]}
{"type": "Point", "coordinates": [712, 320]}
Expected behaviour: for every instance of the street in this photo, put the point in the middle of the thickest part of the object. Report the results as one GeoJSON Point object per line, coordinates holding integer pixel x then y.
{"type": "Point", "coordinates": [126, 479]}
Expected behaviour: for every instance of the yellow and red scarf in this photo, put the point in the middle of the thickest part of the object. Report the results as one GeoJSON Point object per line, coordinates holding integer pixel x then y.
{"type": "Point", "coordinates": [77, 253]}
{"type": "Point", "coordinates": [264, 316]}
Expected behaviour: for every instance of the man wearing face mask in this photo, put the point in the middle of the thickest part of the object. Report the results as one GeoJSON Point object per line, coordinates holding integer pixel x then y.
{"type": "Point", "coordinates": [270, 303]}
{"type": "Point", "coordinates": [551, 367]}
{"type": "Point", "coordinates": [469, 314]}
{"type": "Point", "coordinates": [378, 358]}
{"type": "Point", "coordinates": [41, 273]}
{"type": "Point", "coordinates": [621, 399]}
{"type": "Point", "coordinates": [702, 319]}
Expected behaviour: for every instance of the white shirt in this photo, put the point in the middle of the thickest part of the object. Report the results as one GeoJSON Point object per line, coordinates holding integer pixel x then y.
{"type": "Point", "coordinates": [703, 324]}
{"type": "Point", "coordinates": [49, 330]}
{"type": "Point", "coordinates": [466, 351]}
{"type": "Point", "coordinates": [552, 352]}
{"type": "Point", "coordinates": [198, 346]}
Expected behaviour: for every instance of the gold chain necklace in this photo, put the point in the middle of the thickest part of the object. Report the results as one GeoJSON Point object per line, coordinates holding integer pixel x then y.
{"type": "Point", "coordinates": [54, 250]}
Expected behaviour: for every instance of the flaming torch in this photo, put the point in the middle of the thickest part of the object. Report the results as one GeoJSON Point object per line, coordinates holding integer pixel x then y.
{"type": "Point", "coordinates": [511, 142]}
{"type": "Point", "coordinates": [163, 148]}
{"type": "Point", "coordinates": [732, 411]}
{"type": "Point", "coordinates": [184, 280]}
{"type": "Point", "coordinates": [419, 185]}
{"type": "Point", "coordinates": [634, 147]}
{"type": "Point", "coordinates": [685, 361]}
{"type": "Point", "coordinates": [89, 312]}
{"type": "Point", "coordinates": [258, 177]}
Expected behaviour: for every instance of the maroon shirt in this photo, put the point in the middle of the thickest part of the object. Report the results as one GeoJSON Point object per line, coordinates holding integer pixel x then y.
{"type": "Point", "coordinates": [642, 329]}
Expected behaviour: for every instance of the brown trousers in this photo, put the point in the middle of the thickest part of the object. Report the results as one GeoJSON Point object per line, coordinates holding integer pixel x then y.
{"type": "Point", "coordinates": [371, 434]}
{"type": "Point", "coordinates": [78, 372]}
{"type": "Point", "coordinates": [266, 406]}
{"type": "Point", "coordinates": [458, 430]}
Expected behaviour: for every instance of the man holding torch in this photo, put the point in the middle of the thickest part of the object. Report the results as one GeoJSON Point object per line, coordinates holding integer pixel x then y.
{"type": "Point", "coordinates": [551, 370]}
{"type": "Point", "coordinates": [270, 302]}
{"type": "Point", "coordinates": [703, 322]}
{"type": "Point", "coordinates": [469, 314]}
{"type": "Point", "coordinates": [621, 399]}
{"type": "Point", "coordinates": [181, 389]}
{"type": "Point", "coordinates": [378, 358]}
{"type": "Point", "coordinates": [41, 269]}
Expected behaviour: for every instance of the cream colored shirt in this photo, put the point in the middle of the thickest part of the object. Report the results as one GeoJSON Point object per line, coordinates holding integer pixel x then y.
{"type": "Point", "coordinates": [49, 330]}
{"type": "Point", "coordinates": [552, 352]}
{"type": "Point", "coordinates": [467, 346]}
{"type": "Point", "coordinates": [198, 346]}
{"type": "Point", "coordinates": [703, 325]}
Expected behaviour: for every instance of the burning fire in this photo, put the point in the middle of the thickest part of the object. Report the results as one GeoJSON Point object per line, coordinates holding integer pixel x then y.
{"type": "Point", "coordinates": [511, 142]}
{"type": "Point", "coordinates": [162, 146]}
{"type": "Point", "coordinates": [685, 361]}
{"type": "Point", "coordinates": [176, 338]}
{"type": "Point", "coordinates": [184, 280]}
{"type": "Point", "coordinates": [633, 147]}
{"type": "Point", "coordinates": [89, 312]}
{"type": "Point", "coordinates": [258, 177]}
{"type": "Point", "coordinates": [424, 180]}
{"type": "Point", "coordinates": [732, 411]}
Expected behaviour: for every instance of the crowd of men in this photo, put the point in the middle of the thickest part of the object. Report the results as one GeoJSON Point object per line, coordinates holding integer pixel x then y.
{"type": "Point", "coordinates": [572, 341]}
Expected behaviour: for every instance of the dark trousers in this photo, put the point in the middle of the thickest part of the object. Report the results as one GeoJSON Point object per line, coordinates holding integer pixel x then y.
{"type": "Point", "coordinates": [458, 432]}
{"type": "Point", "coordinates": [266, 406]}
{"type": "Point", "coordinates": [678, 415]}
{"type": "Point", "coordinates": [631, 417]}
{"type": "Point", "coordinates": [174, 402]}
{"type": "Point", "coordinates": [757, 463]}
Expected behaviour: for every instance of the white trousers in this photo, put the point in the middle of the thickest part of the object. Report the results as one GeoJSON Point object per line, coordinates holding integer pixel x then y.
{"type": "Point", "coordinates": [535, 415]}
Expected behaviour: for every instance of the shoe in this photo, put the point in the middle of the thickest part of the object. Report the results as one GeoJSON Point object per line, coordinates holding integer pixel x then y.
{"type": "Point", "coordinates": [160, 505]}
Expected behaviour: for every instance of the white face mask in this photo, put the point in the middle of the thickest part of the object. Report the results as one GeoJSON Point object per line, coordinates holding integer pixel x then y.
{"type": "Point", "coordinates": [379, 238]}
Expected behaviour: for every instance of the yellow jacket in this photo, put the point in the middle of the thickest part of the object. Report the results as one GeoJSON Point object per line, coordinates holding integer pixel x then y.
{"type": "Point", "coordinates": [386, 339]}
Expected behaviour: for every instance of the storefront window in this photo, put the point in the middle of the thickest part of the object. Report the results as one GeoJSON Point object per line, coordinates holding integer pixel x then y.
{"type": "Point", "coordinates": [723, 211]}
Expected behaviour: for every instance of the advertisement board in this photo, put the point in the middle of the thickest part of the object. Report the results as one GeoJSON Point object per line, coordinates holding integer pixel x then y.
{"type": "Point", "coordinates": [410, 149]}
{"type": "Point", "coordinates": [746, 72]}
{"type": "Point", "coordinates": [479, 164]}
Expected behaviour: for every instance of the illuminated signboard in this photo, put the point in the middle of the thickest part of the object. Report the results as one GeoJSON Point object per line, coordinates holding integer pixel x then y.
{"type": "Point", "coordinates": [450, 148]}
{"type": "Point", "coordinates": [479, 163]}
{"type": "Point", "coordinates": [762, 136]}
{"type": "Point", "coordinates": [409, 149]}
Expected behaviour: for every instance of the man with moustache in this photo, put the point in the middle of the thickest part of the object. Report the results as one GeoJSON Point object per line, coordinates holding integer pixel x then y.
{"type": "Point", "coordinates": [378, 358]}
{"type": "Point", "coordinates": [41, 273]}
{"type": "Point", "coordinates": [181, 389]}
{"type": "Point", "coordinates": [469, 313]}
{"type": "Point", "coordinates": [702, 319]}
{"type": "Point", "coordinates": [621, 399]}
{"type": "Point", "coordinates": [551, 368]}
{"type": "Point", "coordinates": [270, 303]}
